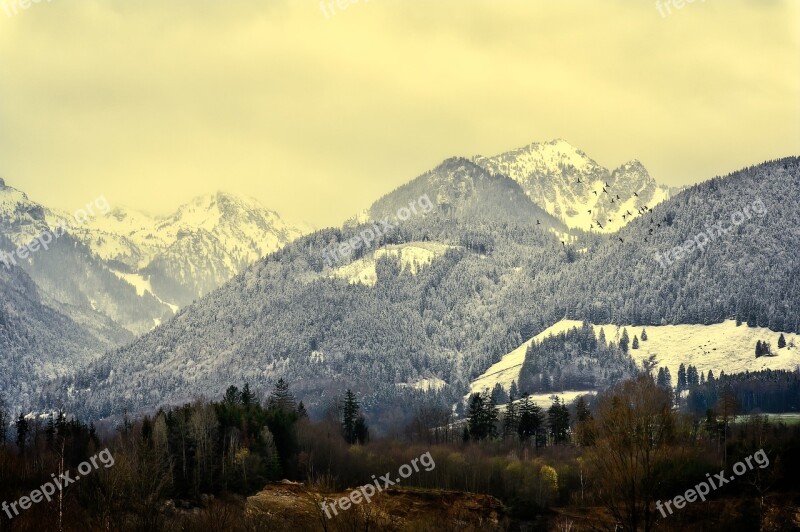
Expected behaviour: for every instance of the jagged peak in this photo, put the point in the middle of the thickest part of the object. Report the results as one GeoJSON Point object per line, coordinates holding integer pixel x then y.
{"type": "Point", "coordinates": [632, 164]}
{"type": "Point", "coordinates": [560, 144]}
{"type": "Point", "coordinates": [454, 162]}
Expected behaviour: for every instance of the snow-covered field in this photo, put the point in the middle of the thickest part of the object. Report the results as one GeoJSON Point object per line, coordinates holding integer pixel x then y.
{"type": "Point", "coordinates": [787, 418]}
{"type": "Point", "coordinates": [718, 347]}
{"type": "Point", "coordinates": [413, 257]}
{"type": "Point", "coordinates": [507, 370]}
{"type": "Point", "coordinates": [544, 400]}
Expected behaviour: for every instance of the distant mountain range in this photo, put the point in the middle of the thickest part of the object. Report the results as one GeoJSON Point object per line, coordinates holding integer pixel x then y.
{"type": "Point", "coordinates": [114, 277]}
{"type": "Point", "coordinates": [137, 270]}
{"type": "Point", "coordinates": [448, 293]}
{"type": "Point", "coordinates": [239, 295]}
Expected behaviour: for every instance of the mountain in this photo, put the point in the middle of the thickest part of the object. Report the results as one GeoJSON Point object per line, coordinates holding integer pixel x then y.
{"type": "Point", "coordinates": [293, 314]}
{"type": "Point", "coordinates": [104, 279]}
{"type": "Point", "coordinates": [37, 343]}
{"type": "Point", "coordinates": [68, 276]}
{"type": "Point", "coordinates": [181, 257]}
{"type": "Point", "coordinates": [120, 273]}
{"type": "Point", "coordinates": [494, 279]}
{"type": "Point", "coordinates": [550, 172]}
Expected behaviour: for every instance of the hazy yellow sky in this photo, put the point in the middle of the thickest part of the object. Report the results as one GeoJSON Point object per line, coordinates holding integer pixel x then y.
{"type": "Point", "coordinates": [151, 102]}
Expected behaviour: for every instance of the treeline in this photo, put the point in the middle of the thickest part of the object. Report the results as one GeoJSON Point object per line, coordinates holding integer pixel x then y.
{"type": "Point", "coordinates": [191, 467]}
{"type": "Point", "coordinates": [184, 454]}
{"type": "Point", "coordinates": [767, 391]}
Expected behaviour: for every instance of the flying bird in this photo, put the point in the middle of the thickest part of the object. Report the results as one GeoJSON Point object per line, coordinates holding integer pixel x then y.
{"type": "Point", "coordinates": [608, 184]}
{"type": "Point", "coordinates": [604, 190]}
{"type": "Point", "coordinates": [621, 240]}
{"type": "Point", "coordinates": [629, 213]}
{"type": "Point", "coordinates": [579, 180]}
{"type": "Point", "coordinates": [635, 194]}
{"type": "Point", "coordinates": [538, 222]}
{"type": "Point", "coordinates": [601, 225]}
{"type": "Point", "coordinates": [594, 192]}
{"type": "Point", "coordinates": [612, 200]}
{"type": "Point", "coordinates": [618, 196]}
{"type": "Point", "coordinates": [590, 211]}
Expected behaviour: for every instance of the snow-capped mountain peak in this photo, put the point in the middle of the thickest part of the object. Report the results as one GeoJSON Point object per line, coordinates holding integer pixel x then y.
{"type": "Point", "coordinates": [569, 184]}
{"type": "Point", "coordinates": [169, 260]}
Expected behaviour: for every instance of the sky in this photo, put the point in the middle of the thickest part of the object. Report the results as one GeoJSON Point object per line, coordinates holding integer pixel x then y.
{"type": "Point", "coordinates": [317, 111]}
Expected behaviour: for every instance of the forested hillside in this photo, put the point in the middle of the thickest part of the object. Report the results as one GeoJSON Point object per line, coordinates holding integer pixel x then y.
{"type": "Point", "coordinates": [36, 342]}
{"type": "Point", "coordinates": [508, 278]}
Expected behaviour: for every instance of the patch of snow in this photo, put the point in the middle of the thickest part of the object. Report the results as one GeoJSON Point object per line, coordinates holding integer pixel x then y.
{"type": "Point", "coordinates": [425, 384]}
{"type": "Point", "coordinates": [718, 347]}
{"type": "Point", "coordinates": [413, 257]}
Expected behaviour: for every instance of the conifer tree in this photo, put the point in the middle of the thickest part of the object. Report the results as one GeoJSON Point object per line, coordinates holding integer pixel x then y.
{"type": "Point", "coordinates": [247, 396]}
{"type": "Point", "coordinates": [482, 417]}
{"type": "Point", "coordinates": [499, 395]}
{"type": "Point", "coordinates": [624, 340]}
{"type": "Point", "coordinates": [558, 419]}
{"type": "Point", "coordinates": [232, 396]}
{"type": "Point", "coordinates": [692, 378]}
{"type": "Point", "coordinates": [510, 419]}
{"type": "Point", "coordinates": [22, 433]}
{"type": "Point", "coordinates": [350, 416]}
{"type": "Point", "coordinates": [682, 382]}
{"type": "Point", "coordinates": [661, 379]}
{"type": "Point", "coordinates": [281, 398]}
{"type": "Point", "coordinates": [584, 430]}
{"type": "Point", "coordinates": [531, 420]}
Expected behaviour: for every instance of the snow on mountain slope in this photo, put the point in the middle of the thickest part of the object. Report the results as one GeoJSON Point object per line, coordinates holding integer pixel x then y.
{"type": "Point", "coordinates": [243, 228]}
{"type": "Point", "coordinates": [718, 347]}
{"type": "Point", "coordinates": [507, 369]}
{"type": "Point", "coordinates": [568, 184]}
{"type": "Point", "coordinates": [157, 264]}
{"type": "Point", "coordinates": [192, 251]}
{"type": "Point", "coordinates": [20, 218]}
{"type": "Point", "coordinates": [413, 257]}
{"type": "Point", "coordinates": [425, 385]}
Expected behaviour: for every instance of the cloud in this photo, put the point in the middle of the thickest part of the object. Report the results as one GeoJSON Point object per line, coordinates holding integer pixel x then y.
{"type": "Point", "coordinates": [153, 102]}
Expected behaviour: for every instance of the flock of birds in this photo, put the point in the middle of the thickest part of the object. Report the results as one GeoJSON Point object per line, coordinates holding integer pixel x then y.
{"type": "Point", "coordinates": [642, 210]}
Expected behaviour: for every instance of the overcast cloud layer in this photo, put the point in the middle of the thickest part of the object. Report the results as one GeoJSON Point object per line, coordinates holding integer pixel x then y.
{"type": "Point", "coordinates": [151, 102]}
